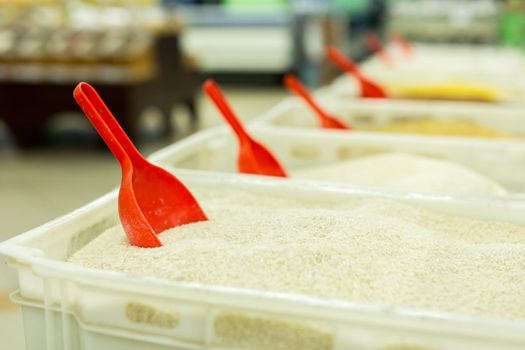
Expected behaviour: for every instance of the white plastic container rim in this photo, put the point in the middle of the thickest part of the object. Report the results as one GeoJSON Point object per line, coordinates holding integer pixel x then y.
{"type": "Point", "coordinates": [215, 150]}
{"type": "Point", "coordinates": [293, 113]}
{"type": "Point", "coordinates": [498, 69]}
{"type": "Point", "coordinates": [79, 304]}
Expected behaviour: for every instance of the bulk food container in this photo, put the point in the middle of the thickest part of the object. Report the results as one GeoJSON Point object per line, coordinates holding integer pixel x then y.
{"type": "Point", "coordinates": [69, 307]}
{"type": "Point", "coordinates": [410, 87]}
{"type": "Point", "coordinates": [215, 150]}
{"type": "Point", "coordinates": [368, 114]}
{"type": "Point", "coordinates": [450, 58]}
{"type": "Point", "coordinates": [496, 75]}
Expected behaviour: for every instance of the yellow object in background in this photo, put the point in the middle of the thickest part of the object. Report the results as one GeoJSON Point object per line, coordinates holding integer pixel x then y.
{"type": "Point", "coordinates": [29, 2]}
{"type": "Point", "coordinates": [454, 91]}
{"type": "Point", "coordinates": [123, 3]}
{"type": "Point", "coordinates": [464, 128]}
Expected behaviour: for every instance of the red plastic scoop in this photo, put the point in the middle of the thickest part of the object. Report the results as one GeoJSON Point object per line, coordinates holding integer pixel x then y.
{"type": "Point", "coordinates": [405, 46]}
{"type": "Point", "coordinates": [375, 45]}
{"type": "Point", "coordinates": [151, 200]}
{"type": "Point", "coordinates": [369, 88]}
{"type": "Point", "coordinates": [254, 158]}
{"type": "Point", "coordinates": [327, 121]}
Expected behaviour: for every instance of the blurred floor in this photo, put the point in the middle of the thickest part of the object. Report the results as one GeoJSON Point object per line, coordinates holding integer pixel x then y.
{"type": "Point", "coordinates": [39, 186]}
{"type": "Point", "coordinates": [11, 325]}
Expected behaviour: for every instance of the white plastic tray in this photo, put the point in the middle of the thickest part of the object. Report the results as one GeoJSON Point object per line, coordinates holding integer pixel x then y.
{"type": "Point", "coordinates": [215, 150]}
{"type": "Point", "coordinates": [367, 113]}
{"type": "Point", "coordinates": [497, 69]}
{"type": "Point", "coordinates": [70, 307]}
{"type": "Point", "coordinates": [447, 59]}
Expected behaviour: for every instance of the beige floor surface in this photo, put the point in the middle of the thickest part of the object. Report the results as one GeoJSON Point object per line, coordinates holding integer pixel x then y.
{"type": "Point", "coordinates": [39, 186]}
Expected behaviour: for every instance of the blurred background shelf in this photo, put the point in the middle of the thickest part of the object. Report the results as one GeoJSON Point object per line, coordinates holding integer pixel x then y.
{"type": "Point", "coordinates": [449, 21]}
{"type": "Point", "coordinates": [143, 54]}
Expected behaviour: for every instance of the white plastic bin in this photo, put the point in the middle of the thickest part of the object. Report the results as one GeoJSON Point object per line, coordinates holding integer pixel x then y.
{"type": "Point", "coordinates": [215, 150]}
{"type": "Point", "coordinates": [502, 71]}
{"type": "Point", "coordinates": [369, 113]}
{"type": "Point", "coordinates": [70, 307]}
{"type": "Point", "coordinates": [452, 58]}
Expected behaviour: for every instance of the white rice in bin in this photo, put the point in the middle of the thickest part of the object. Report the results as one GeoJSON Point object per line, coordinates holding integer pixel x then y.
{"type": "Point", "coordinates": [403, 171]}
{"type": "Point", "coordinates": [366, 250]}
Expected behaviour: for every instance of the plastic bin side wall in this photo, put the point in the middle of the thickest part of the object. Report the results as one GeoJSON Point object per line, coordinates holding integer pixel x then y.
{"type": "Point", "coordinates": [216, 150]}
{"type": "Point", "coordinates": [91, 310]}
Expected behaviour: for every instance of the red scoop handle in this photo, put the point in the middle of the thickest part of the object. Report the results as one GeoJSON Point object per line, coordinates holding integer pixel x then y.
{"type": "Point", "coordinates": [105, 123]}
{"type": "Point", "coordinates": [214, 91]}
{"type": "Point", "coordinates": [342, 61]}
{"type": "Point", "coordinates": [327, 121]}
{"type": "Point", "coordinates": [295, 86]}
{"type": "Point", "coordinates": [254, 157]}
{"type": "Point", "coordinates": [376, 45]}
{"type": "Point", "coordinates": [369, 88]}
{"type": "Point", "coordinates": [405, 46]}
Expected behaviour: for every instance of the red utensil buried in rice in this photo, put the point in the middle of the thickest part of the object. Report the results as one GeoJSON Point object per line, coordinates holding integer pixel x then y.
{"type": "Point", "coordinates": [151, 200]}
{"type": "Point", "coordinates": [374, 44]}
{"type": "Point", "coordinates": [403, 44]}
{"type": "Point", "coordinates": [327, 121]}
{"type": "Point", "coordinates": [369, 89]}
{"type": "Point", "coordinates": [254, 158]}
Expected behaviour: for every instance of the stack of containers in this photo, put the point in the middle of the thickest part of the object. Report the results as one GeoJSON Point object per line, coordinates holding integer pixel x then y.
{"type": "Point", "coordinates": [67, 306]}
